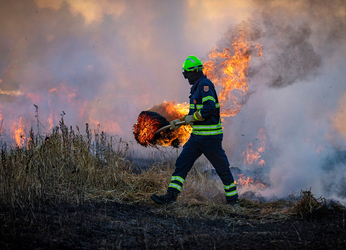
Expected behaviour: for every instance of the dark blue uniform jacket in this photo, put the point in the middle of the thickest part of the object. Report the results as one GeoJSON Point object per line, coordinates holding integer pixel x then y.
{"type": "Point", "coordinates": [204, 98]}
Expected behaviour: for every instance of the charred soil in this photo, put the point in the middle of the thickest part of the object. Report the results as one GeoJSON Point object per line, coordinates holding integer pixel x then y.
{"type": "Point", "coordinates": [113, 225]}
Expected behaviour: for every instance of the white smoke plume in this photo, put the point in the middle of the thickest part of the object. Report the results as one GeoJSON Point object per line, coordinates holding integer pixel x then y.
{"type": "Point", "coordinates": [297, 95]}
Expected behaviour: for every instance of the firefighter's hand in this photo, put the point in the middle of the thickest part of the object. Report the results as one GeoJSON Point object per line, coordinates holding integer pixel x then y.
{"type": "Point", "coordinates": [189, 119]}
{"type": "Point", "coordinates": [173, 124]}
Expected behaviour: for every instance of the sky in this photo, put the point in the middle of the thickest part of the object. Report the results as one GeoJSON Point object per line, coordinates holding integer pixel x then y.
{"type": "Point", "coordinates": [103, 62]}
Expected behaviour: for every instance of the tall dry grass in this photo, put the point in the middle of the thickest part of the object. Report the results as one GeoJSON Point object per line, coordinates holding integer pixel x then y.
{"type": "Point", "coordinates": [66, 166]}
{"type": "Point", "coordinates": [70, 167]}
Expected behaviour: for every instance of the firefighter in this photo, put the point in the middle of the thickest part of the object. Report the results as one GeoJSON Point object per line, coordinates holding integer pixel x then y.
{"type": "Point", "coordinates": [206, 136]}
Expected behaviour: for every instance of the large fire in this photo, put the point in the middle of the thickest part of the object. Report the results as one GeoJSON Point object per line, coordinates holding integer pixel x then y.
{"type": "Point", "coordinates": [228, 70]}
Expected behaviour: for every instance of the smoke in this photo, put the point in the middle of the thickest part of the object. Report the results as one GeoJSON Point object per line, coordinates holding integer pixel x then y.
{"type": "Point", "coordinates": [301, 38]}
{"type": "Point", "coordinates": [297, 96]}
{"type": "Point", "coordinates": [97, 61]}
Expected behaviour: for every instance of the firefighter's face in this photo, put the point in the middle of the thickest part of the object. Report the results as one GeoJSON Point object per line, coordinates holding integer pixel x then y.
{"type": "Point", "coordinates": [190, 76]}
{"type": "Point", "coordinates": [185, 73]}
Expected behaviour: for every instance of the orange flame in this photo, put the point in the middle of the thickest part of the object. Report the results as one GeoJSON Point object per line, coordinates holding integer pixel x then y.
{"type": "Point", "coordinates": [18, 131]}
{"type": "Point", "coordinates": [227, 69]}
{"type": "Point", "coordinates": [183, 134]}
{"type": "Point", "coordinates": [251, 155]}
{"type": "Point", "coordinates": [172, 111]}
{"type": "Point", "coordinates": [245, 182]}
{"type": "Point", "coordinates": [146, 131]}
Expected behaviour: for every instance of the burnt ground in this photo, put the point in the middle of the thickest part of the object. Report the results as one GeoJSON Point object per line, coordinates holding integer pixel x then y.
{"type": "Point", "coordinates": [111, 225]}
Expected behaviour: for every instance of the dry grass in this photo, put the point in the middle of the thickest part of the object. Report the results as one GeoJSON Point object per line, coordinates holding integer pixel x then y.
{"type": "Point", "coordinates": [64, 167]}
{"type": "Point", "coordinates": [68, 167]}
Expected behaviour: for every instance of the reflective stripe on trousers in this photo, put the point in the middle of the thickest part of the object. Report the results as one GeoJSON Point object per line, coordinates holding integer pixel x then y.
{"type": "Point", "coordinates": [212, 149]}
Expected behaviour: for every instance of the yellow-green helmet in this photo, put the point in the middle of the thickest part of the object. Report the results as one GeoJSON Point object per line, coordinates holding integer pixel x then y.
{"type": "Point", "coordinates": [192, 63]}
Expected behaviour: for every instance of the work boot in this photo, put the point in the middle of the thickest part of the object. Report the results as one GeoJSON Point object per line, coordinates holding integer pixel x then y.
{"type": "Point", "coordinates": [165, 199]}
{"type": "Point", "coordinates": [233, 202]}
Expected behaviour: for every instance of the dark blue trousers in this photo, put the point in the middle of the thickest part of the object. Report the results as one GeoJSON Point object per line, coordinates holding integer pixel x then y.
{"type": "Point", "coordinates": [212, 149]}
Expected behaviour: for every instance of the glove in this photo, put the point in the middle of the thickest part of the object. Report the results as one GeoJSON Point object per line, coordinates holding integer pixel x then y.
{"type": "Point", "coordinates": [173, 123]}
{"type": "Point", "coordinates": [190, 119]}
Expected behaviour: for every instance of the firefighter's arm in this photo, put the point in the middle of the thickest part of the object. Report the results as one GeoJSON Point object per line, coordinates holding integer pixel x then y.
{"type": "Point", "coordinates": [208, 108]}
{"type": "Point", "coordinates": [208, 100]}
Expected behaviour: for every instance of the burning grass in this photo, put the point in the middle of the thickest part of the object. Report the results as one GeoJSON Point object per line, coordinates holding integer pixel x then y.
{"type": "Point", "coordinates": [149, 122]}
{"type": "Point", "coordinates": [68, 167]}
